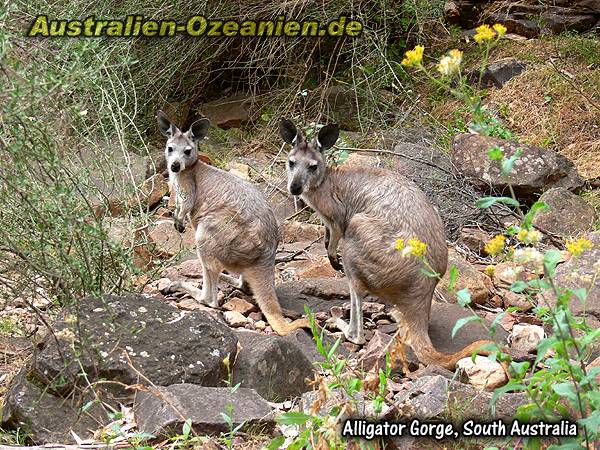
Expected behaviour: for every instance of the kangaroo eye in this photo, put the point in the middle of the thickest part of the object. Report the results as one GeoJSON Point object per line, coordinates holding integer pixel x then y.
{"type": "Point", "coordinates": [312, 168]}
{"type": "Point", "coordinates": [291, 164]}
{"type": "Point", "coordinates": [187, 152]}
{"type": "Point", "coordinates": [170, 149]}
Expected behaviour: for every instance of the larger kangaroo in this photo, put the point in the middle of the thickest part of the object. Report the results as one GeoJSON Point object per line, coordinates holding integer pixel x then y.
{"type": "Point", "coordinates": [365, 211]}
{"type": "Point", "coordinates": [235, 228]}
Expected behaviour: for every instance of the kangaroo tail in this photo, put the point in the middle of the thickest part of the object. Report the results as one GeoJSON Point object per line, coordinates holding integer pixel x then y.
{"type": "Point", "coordinates": [262, 283]}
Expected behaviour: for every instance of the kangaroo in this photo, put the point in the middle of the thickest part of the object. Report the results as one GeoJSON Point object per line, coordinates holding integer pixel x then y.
{"type": "Point", "coordinates": [365, 211]}
{"type": "Point", "coordinates": [235, 228]}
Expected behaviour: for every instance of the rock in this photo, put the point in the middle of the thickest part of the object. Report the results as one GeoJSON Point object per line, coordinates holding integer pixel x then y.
{"type": "Point", "coordinates": [497, 73]}
{"type": "Point", "coordinates": [431, 397]}
{"type": "Point", "coordinates": [240, 305]}
{"type": "Point", "coordinates": [240, 170]}
{"type": "Point", "coordinates": [474, 239]}
{"type": "Point", "coordinates": [484, 373]}
{"type": "Point", "coordinates": [116, 338]}
{"type": "Point", "coordinates": [260, 324]}
{"type": "Point", "coordinates": [315, 267]}
{"type": "Point", "coordinates": [339, 104]}
{"type": "Point", "coordinates": [361, 160]}
{"type": "Point", "coordinates": [228, 112]}
{"type": "Point", "coordinates": [272, 365]}
{"type": "Point", "coordinates": [164, 414]}
{"type": "Point", "coordinates": [235, 319]}
{"type": "Point", "coordinates": [168, 241]}
{"type": "Point", "coordinates": [468, 277]}
{"type": "Point", "coordinates": [292, 231]}
{"type": "Point", "coordinates": [526, 337]}
{"type": "Point", "coordinates": [376, 349]}
{"type": "Point", "coordinates": [514, 299]}
{"type": "Point", "coordinates": [190, 268]}
{"type": "Point", "coordinates": [303, 339]}
{"type": "Point", "coordinates": [432, 170]}
{"type": "Point", "coordinates": [535, 171]}
{"type": "Point", "coordinates": [567, 214]}
{"type": "Point", "coordinates": [320, 294]}
{"type": "Point", "coordinates": [46, 418]}
{"type": "Point", "coordinates": [154, 189]}
{"type": "Point", "coordinates": [508, 272]}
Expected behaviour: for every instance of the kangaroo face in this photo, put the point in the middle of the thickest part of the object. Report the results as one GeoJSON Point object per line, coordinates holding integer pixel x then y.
{"type": "Point", "coordinates": [306, 166]}
{"type": "Point", "coordinates": [181, 149]}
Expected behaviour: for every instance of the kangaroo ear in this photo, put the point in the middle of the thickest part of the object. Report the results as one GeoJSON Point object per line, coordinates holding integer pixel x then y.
{"type": "Point", "coordinates": [164, 124]}
{"type": "Point", "coordinates": [327, 136]}
{"type": "Point", "coordinates": [199, 129]}
{"type": "Point", "coordinates": [287, 130]}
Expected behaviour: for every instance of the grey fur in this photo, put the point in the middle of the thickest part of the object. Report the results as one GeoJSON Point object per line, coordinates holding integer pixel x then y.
{"type": "Point", "coordinates": [365, 211]}
{"type": "Point", "coordinates": [235, 228]}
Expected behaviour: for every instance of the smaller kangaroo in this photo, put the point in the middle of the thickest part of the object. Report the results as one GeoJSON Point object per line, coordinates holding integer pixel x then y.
{"type": "Point", "coordinates": [365, 211]}
{"type": "Point", "coordinates": [235, 228]}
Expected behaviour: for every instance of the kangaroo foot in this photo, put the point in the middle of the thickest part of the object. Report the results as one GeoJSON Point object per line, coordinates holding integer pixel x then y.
{"type": "Point", "coordinates": [353, 334]}
{"type": "Point", "coordinates": [282, 328]}
{"type": "Point", "coordinates": [194, 292]}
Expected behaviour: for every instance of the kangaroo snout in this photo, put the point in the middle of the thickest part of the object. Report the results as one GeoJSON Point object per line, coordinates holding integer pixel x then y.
{"type": "Point", "coordinates": [295, 188]}
{"type": "Point", "coordinates": [175, 166]}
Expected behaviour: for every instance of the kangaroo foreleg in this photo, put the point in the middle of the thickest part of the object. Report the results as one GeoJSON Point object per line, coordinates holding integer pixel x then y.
{"type": "Point", "coordinates": [332, 240]}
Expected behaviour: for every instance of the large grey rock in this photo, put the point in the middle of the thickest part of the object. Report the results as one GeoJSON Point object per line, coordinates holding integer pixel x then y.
{"type": "Point", "coordinates": [320, 294]}
{"type": "Point", "coordinates": [536, 171]}
{"type": "Point", "coordinates": [46, 418]}
{"type": "Point", "coordinates": [272, 365]}
{"type": "Point", "coordinates": [497, 74]}
{"type": "Point", "coordinates": [432, 396]}
{"type": "Point", "coordinates": [164, 412]}
{"type": "Point", "coordinates": [567, 214]}
{"type": "Point", "coordinates": [114, 338]}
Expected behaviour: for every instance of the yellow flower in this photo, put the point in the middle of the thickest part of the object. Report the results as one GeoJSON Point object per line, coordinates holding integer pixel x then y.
{"type": "Point", "coordinates": [495, 245]}
{"type": "Point", "coordinates": [399, 244]}
{"type": "Point", "coordinates": [450, 63]}
{"type": "Point", "coordinates": [577, 246]}
{"type": "Point", "coordinates": [500, 29]}
{"type": "Point", "coordinates": [529, 236]}
{"type": "Point", "coordinates": [484, 33]}
{"type": "Point", "coordinates": [489, 270]}
{"type": "Point", "coordinates": [415, 247]}
{"type": "Point", "coordinates": [418, 247]}
{"type": "Point", "coordinates": [413, 57]}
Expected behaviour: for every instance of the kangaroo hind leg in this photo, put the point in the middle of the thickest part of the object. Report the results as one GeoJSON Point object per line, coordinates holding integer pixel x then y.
{"type": "Point", "coordinates": [354, 329]}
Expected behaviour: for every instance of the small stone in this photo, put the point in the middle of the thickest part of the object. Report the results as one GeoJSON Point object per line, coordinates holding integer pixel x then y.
{"type": "Point", "coordinates": [351, 347]}
{"type": "Point", "coordinates": [484, 374]}
{"type": "Point", "coordinates": [260, 324]}
{"type": "Point", "coordinates": [514, 299]}
{"type": "Point", "coordinates": [256, 316]}
{"type": "Point", "coordinates": [526, 337]}
{"type": "Point", "coordinates": [383, 322]}
{"type": "Point", "coordinates": [372, 308]}
{"type": "Point", "coordinates": [474, 239]}
{"type": "Point", "coordinates": [235, 319]}
{"type": "Point", "coordinates": [240, 305]}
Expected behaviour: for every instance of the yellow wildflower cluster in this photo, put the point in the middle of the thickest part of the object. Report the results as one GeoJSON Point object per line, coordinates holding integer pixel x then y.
{"type": "Point", "coordinates": [489, 270]}
{"type": "Point", "coordinates": [495, 245]}
{"type": "Point", "coordinates": [415, 247]}
{"type": "Point", "coordinates": [450, 63]}
{"type": "Point", "coordinates": [413, 57]}
{"type": "Point", "coordinates": [529, 236]}
{"type": "Point", "coordinates": [486, 33]}
{"type": "Point", "coordinates": [577, 246]}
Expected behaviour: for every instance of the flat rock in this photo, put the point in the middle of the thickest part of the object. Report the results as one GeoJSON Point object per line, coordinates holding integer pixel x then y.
{"type": "Point", "coordinates": [536, 171]}
{"type": "Point", "coordinates": [168, 241]}
{"type": "Point", "coordinates": [228, 112]}
{"type": "Point", "coordinates": [483, 373]}
{"type": "Point", "coordinates": [567, 214]}
{"type": "Point", "coordinates": [112, 334]}
{"type": "Point", "coordinates": [47, 418]}
{"type": "Point", "coordinates": [240, 305]}
{"type": "Point", "coordinates": [320, 294]}
{"type": "Point", "coordinates": [274, 366]}
{"type": "Point", "coordinates": [526, 337]}
{"type": "Point", "coordinates": [468, 277]}
{"type": "Point", "coordinates": [497, 74]}
{"type": "Point", "coordinates": [163, 413]}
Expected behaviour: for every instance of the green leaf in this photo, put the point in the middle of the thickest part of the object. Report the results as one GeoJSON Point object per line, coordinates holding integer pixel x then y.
{"type": "Point", "coordinates": [187, 427]}
{"type": "Point", "coordinates": [566, 390]}
{"type": "Point", "coordinates": [294, 418]}
{"type": "Point", "coordinates": [507, 164]}
{"type": "Point", "coordinates": [333, 348]}
{"type": "Point", "coordinates": [453, 278]}
{"type": "Point", "coordinates": [535, 208]}
{"type": "Point", "coordinates": [486, 202]}
{"type": "Point", "coordinates": [551, 259]}
{"type": "Point", "coordinates": [462, 322]}
{"type": "Point", "coordinates": [276, 443]}
{"type": "Point", "coordinates": [518, 286]}
{"type": "Point", "coordinates": [519, 369]}
{"type": "Point", "coordinates": [463, 297]}
{"type": "Point", "coordinates": [543, 346]}
{"type": "Point", "coordinates": [495, 153]}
